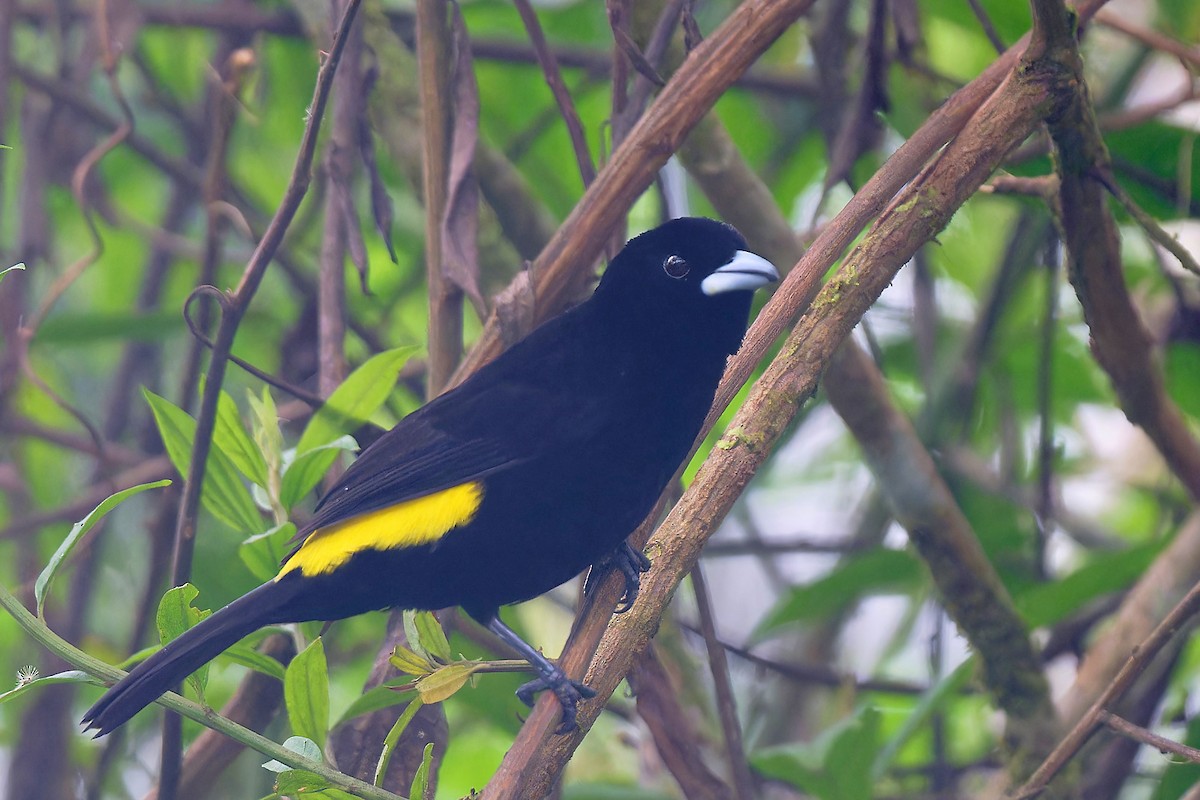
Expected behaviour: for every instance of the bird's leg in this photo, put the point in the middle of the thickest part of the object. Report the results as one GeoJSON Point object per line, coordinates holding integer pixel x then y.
{"type": "Point", "coordinates": [631, 562]}
{"type": "Point", "coordinates": [550, 676]}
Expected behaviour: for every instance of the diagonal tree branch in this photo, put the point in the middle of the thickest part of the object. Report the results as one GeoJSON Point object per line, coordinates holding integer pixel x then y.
{"type": "Point", "coordinates": [1120, 341]}
{"type": "Point", "coordinates": [562, 268]}
{"type": "Point", "coordinates": [914, 218]}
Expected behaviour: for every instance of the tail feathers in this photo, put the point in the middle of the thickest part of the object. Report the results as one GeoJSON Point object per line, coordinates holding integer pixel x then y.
{"type": "Point", "coordinates": [184, 655]}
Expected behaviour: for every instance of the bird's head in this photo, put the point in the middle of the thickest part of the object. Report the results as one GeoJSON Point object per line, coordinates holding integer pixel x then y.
{"type": "Point", "coordinates": [691, 271]}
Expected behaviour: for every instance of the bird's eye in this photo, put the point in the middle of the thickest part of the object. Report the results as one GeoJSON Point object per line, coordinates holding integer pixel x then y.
{"type": "Point", "coordinates": [675, 266]}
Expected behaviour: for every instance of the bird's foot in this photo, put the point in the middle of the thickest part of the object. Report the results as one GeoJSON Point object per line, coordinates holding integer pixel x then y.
{"type": "Point", "coordinates": [631, 563]}
{"type": "Point", "coordinates": [550, 676]}
{"type": "Point", "coordinates": [569, 693]}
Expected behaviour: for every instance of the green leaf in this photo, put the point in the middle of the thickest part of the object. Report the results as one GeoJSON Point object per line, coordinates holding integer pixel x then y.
{"type": "Point", "coordinates": [235, 442]}
{"type": "Point", "coordinates": [412, 636]}
{"type": "Point", "coordinates": [393, 736]}
{"type": "Point", "coordinates": [1182, 369]}
{"type": "Point", "coordinates": [420, 788]}
{"type": "Point", "coordinates": [296, 782]}
{"type": "Point", "coordinates": [874, 572]}
{"type": "Point", "coordinates": [373, 699]}
{"type": "Point", "coordinates": [1047, 603]}
{"type": "Point", "coordinates": [359, 396]}
{"type": "Point", "coordinates": [41, 586]}
{"type": "Point", "coordinates": [262, 554]}
{"type": "Point", "coordinates": [176, 615]}
{"type": "Point", "coordinates": [25, 685]}
{"type": "Point", "coordinates": [301, 746]}
{"type": "Point", "coordinates": [18, 266]}
{"type": "Point", "coordinates": [930, 701]}
{"type": "Point", "coordinates": [266, 422]}
{"type": "Point", "coordinates": [432, 637]}
{"type": "Point", "coordinates": [255, 660]}
{"type": "Point", "coordinates": [305, 470]}
{"type": "Point", "coordinates": [223, 493]}
{"type": "Point", "coordinates": [410, 662]}
{"type": "Point", "coordinates": [306, 693]}
{"type": "Point", "coordinates": [836, 765]}
{"type": "Point", "coordinates": [445, 681]}
{"type": "Point", "coordinates": [302, 783]}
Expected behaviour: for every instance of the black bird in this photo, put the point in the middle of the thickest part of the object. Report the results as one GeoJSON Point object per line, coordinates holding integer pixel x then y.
{"type": "Point", "coordinates": [532, 470]}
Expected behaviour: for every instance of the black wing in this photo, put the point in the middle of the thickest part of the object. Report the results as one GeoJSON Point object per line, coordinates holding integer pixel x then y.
{"type": "Point", "coordinates": [482, 427]}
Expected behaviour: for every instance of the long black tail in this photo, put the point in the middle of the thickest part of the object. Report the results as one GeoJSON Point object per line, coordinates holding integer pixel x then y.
{"type": "Point", "coordinates": [183, 656]}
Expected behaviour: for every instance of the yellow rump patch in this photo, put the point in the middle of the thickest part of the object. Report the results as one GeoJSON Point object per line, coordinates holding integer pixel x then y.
{"type": "Point", "coordinates": [413, 522]}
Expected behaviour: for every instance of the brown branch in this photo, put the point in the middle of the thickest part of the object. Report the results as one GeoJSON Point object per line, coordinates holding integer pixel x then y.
{"type": "Point", "coordinates": [1120, 341]}
{"type": "Point", "coordinates": [1166, 581]}
{"type": "Point", "coordinates": [969, 587]}
{"type": "Point", "coordinates": [912, 220]}
{"type": "Point", "coordinates": [673, 730]}
{"type": "Point", "coordinates": [348, 108]}
{"type": "Point", "coordinates": [445, 298]}
{"type": "Point", "coordinates": [80, 102]}
{"type": "Point", "coordinates": [1133, 667]}
{"type": "Point", "coordinates": [561, 269]}
{"type": "Point", "coordinates": [1189, 54]}
{"type": "Point", "coordinates": [972, 591]}
{"type": "Point", "coordinates": [234, 307]}
{"type": "Point", "coordinates": [252, 20]}
{"type": "Point", "coordinates": [735, 751]}
{"type": "Point", "coordinates": [1156, 232]}
{"type": "Point", "coordinates": [1140, 734]}
{"type": "Point", "coordinates": [566, 107]}
{"type": "Point", "coordinates": [116, 454]}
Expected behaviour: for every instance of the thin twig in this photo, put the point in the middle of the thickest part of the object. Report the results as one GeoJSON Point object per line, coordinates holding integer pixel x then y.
{"type": "Point", "coordinates": [566, 107]}
{"type": "Point", "coordinates": [1189, 54]}
{"type": "Point", "coordinates": [985, 22]}
{"type": "Point", "coordinates": [1156, 232]}
{"type": "Point", "coordinates": [1140, 734]}
{"type": "Point", "coordinates": [108, 675]}
{"type": "Point", "coordinates": [1137, 662]}
{"type": "Point", "coordinates": [735, 751]}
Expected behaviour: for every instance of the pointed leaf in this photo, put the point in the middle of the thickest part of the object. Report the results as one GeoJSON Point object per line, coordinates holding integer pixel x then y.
{"type": "Point", "coordinates": [445, 681]}
{"type": "Point", "coordinates": [931, 700]}
{"type": "Point", "coordinates": [176, 615]}
{"type": "Point", "coordinates": [306, 693]}
{"type": "Point", "coordinates": [235, 442]}
{"type": "Point", "coordinates": [420, 788]}
{"type": "Point", "coordinates": [223, 493]}
{"type": "Point", "coordinates": [41, 586]}
{"type": "Point", "coordinates": [70, 676]}
{"type": "Point", "coordinates": [833, 766]}
{"type": "Point", "coordinates": [359, 396]}
{"type": "Point", "coordinates": [263, 553]}
{"type": "Point", "coordinates": [411, 663]}
{"type": "Point", "coordinates": [873, 572]}
{"type": "Point", "coordinates": [259, 662]}
{"type": "Point", "coordinates": [305, 471]}
{"type": "Point", "coordinates": [412, 636]}
{"type": "Point", "coordinates": [373, 699]}
{"type": "Point", "coordinates": [432, 637]}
